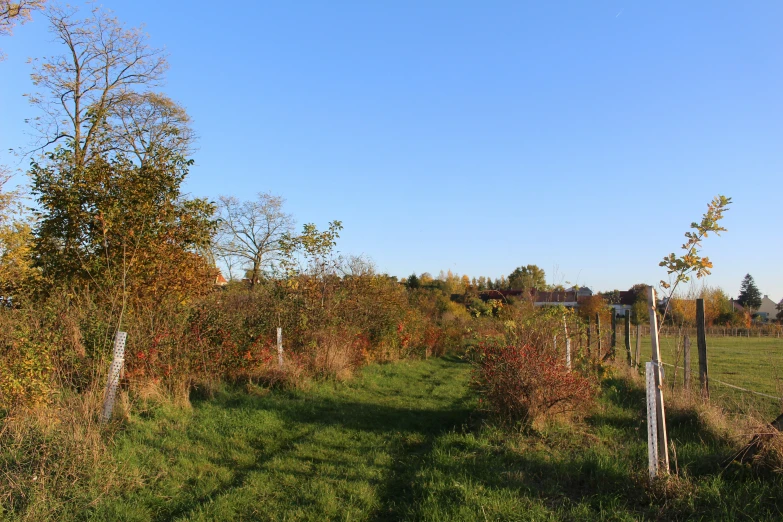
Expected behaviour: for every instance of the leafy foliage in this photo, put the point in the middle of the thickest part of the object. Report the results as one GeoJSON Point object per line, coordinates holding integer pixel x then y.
{"type": "Point", "coordinates": [527, 277]}
{"type": "Point", "coordinates": [681, 267]}
{"type": "Point", "coordinates": [524, 383]}
{"type": "Point", "coordinates": [116, 224]}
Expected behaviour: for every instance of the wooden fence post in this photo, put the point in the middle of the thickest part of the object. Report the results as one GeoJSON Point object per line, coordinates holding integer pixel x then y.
{"type": "Point", "coordinates": [589, 335]}
{"type": "Point", "coordinates": [686, 349]}
{"type": "Point", "coordinates": [628, 336]}
{"type": "Point", "coordinates": [660, 414]}
{"type": "Point", "coordinates": [638, 345]}
{"type": "Point", "coordinates": [614, 332]}
{"type": "Point", "coordinates": [701, 341]}
{"type": "Point", "coordinates": [598, 332]}
{"type": "Point", "coordinates": [280, 348]}
{"type": "Point", "coordinates": [114, 375]}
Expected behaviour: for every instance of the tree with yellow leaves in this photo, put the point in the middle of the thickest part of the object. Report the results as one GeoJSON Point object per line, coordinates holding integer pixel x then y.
{"type": "Point", "coordinates": [681, 268]}
{"type": "Point", "coordinates": [19, 12]}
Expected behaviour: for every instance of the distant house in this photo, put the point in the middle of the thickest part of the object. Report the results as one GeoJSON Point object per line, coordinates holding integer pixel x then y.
{"type": "Point", "coordinates": [567, 298]}
{"type": "Point", "coordinates": [735, 306]}
{"type": "Point", "coordinates": [220, 280]}
{"type": "Point", "coordinates": [623, 301]}
{"type": "Point", "coordinates": [581, 291]}
{"type": "Point", "coordinates": [556, 298]}
{"type": "Point", "coordinates": [768, 310]}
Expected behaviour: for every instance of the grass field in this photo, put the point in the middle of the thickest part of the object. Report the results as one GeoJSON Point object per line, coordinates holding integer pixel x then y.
{"type": "Point", "coordinates": [405, 442]}
{"type": "Point", "coordinates": [755, 363]}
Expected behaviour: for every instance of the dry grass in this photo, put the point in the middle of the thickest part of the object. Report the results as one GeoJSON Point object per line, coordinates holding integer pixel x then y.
{"type": "Point", "coordinates": [759, 443]}
{"type": "Point", "coordinates": [333, 355]}
{"type": "Point", "coordinates": [49, 454]}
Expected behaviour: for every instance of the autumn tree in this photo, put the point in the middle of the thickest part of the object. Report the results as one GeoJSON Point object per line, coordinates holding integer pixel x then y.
{"type": "Point", "coordinates": [591, 305]}
{"type": "Point", "coordinates": [529, 277]}
{"type": "Point", "coordinates": [6, 197]}
{"type": "Point", "coordinates": [749, 296]}
{"type": "Point", "coordinates": [146, 122]}
{"type": "Point", "coordinates": [94, 96]}
{"type": "Point", "coordinates": [250, 233]}
{"type": "Point", "coordinates": [116, 224]}
{"type": "Point", "coordinates": [15, 267]}
{"type": "Point", "coordinates": [18, 12]}
{"type": "Point", "coordinates": [310, 258]}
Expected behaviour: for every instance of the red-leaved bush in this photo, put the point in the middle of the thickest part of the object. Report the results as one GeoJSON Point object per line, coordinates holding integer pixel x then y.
{"type": "Point", "coordinates": [522, 383]}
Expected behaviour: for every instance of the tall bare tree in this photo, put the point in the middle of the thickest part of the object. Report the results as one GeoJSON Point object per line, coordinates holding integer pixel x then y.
{"type": "Point", "coordinates": [87, 90]}
{"type": "Point", "coordinates": [250, 232]}
{"type": "Point", "coordinates": [145, 123]}
{"type": "Point", "coordinates": [12, 13]}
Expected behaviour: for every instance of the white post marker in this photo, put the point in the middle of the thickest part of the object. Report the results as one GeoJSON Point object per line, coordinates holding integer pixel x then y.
{"type": "Point", "coordinates": [662, 443]}
{"type": "Point", "coordinates": [114, 375]}
{"type": "Point", "coordinates": [652, 423]}
{"type": "Point", "coordinates": [280, 348]}
{"type": "Point", "coordinates": [568, 344]}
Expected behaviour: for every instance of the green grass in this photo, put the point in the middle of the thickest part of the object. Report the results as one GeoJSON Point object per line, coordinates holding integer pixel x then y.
{"type": "Point", "coordinates": [755, 363]}
{"type": "Point", "coordinates": [405, 442]}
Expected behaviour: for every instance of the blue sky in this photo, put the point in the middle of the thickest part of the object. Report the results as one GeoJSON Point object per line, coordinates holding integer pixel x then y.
{"type": "Point", "coordinates": [583, 137]}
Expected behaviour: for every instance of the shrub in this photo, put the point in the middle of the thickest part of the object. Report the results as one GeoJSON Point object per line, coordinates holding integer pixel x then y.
{"type": "Point", "coordinates": [335, 353]}
{"type": "Point", "coordinates": [520, 384]}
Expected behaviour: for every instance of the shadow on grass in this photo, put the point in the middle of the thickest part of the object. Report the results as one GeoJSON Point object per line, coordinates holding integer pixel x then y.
{"type": "Point", "coordinates": [415, 459]}
{"type": "Point", "coordinates": [699, 448]}
{"type": "Point", "coordinates": [322, 435]}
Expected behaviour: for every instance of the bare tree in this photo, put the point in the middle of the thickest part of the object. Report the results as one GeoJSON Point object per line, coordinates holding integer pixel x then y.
{"type": "Point", "coordinates": [5, 197]}
{"type": "Point", "coordinates": [12, 13]}
{"type": "Point", "coordinates": [357, 266]}
{"type": "Point", "coordinates": [250, 232]}
{"type": "Point", "coordinates": [89, 86]}
{"type": "Point", "coordinates": [145, 123]}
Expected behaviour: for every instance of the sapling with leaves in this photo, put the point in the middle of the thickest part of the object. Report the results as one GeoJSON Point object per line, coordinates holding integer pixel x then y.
{"type": "Point", "coordinates": [682, 268]}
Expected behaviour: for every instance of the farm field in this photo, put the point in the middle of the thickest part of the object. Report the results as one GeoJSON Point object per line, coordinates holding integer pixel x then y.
{"type": "Point", "coordinates": [755, 363]}
{"type": "Point", "coordinates": [406, 441]}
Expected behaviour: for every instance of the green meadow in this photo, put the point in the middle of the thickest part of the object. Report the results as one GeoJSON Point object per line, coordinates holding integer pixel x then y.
{"type": "Point", "coordinates": [754, 363]}
{"type": "Point", "coordinates": [408, 441]}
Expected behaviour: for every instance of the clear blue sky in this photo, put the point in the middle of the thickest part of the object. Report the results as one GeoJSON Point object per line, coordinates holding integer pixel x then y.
{"type": "Point", "coordinates": [583, 137]}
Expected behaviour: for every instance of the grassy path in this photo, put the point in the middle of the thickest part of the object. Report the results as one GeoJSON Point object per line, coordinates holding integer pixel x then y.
{"type": "Point", "coordinates": [403, 442]}
{"type": "Point", "coordinates": [339, 451]}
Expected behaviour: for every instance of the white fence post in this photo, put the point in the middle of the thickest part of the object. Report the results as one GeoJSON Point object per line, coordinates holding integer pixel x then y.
{"type": "Point", "coordinates": [567, 343]}
{"type": "Point", "coordinates": [662, 444]}
{"type": "Point", "coordinates": [114, 375]}
{"type": "Point", "coordinates": [280, 348]}
{"type": "Point", "coordinates": [652, 423]}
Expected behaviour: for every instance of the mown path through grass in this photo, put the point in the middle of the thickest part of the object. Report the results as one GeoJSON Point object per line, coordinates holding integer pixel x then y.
{"type": "Point", "coordinates": [345, 451]}
{"type": "Point", "coordinates": [404, 442]}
